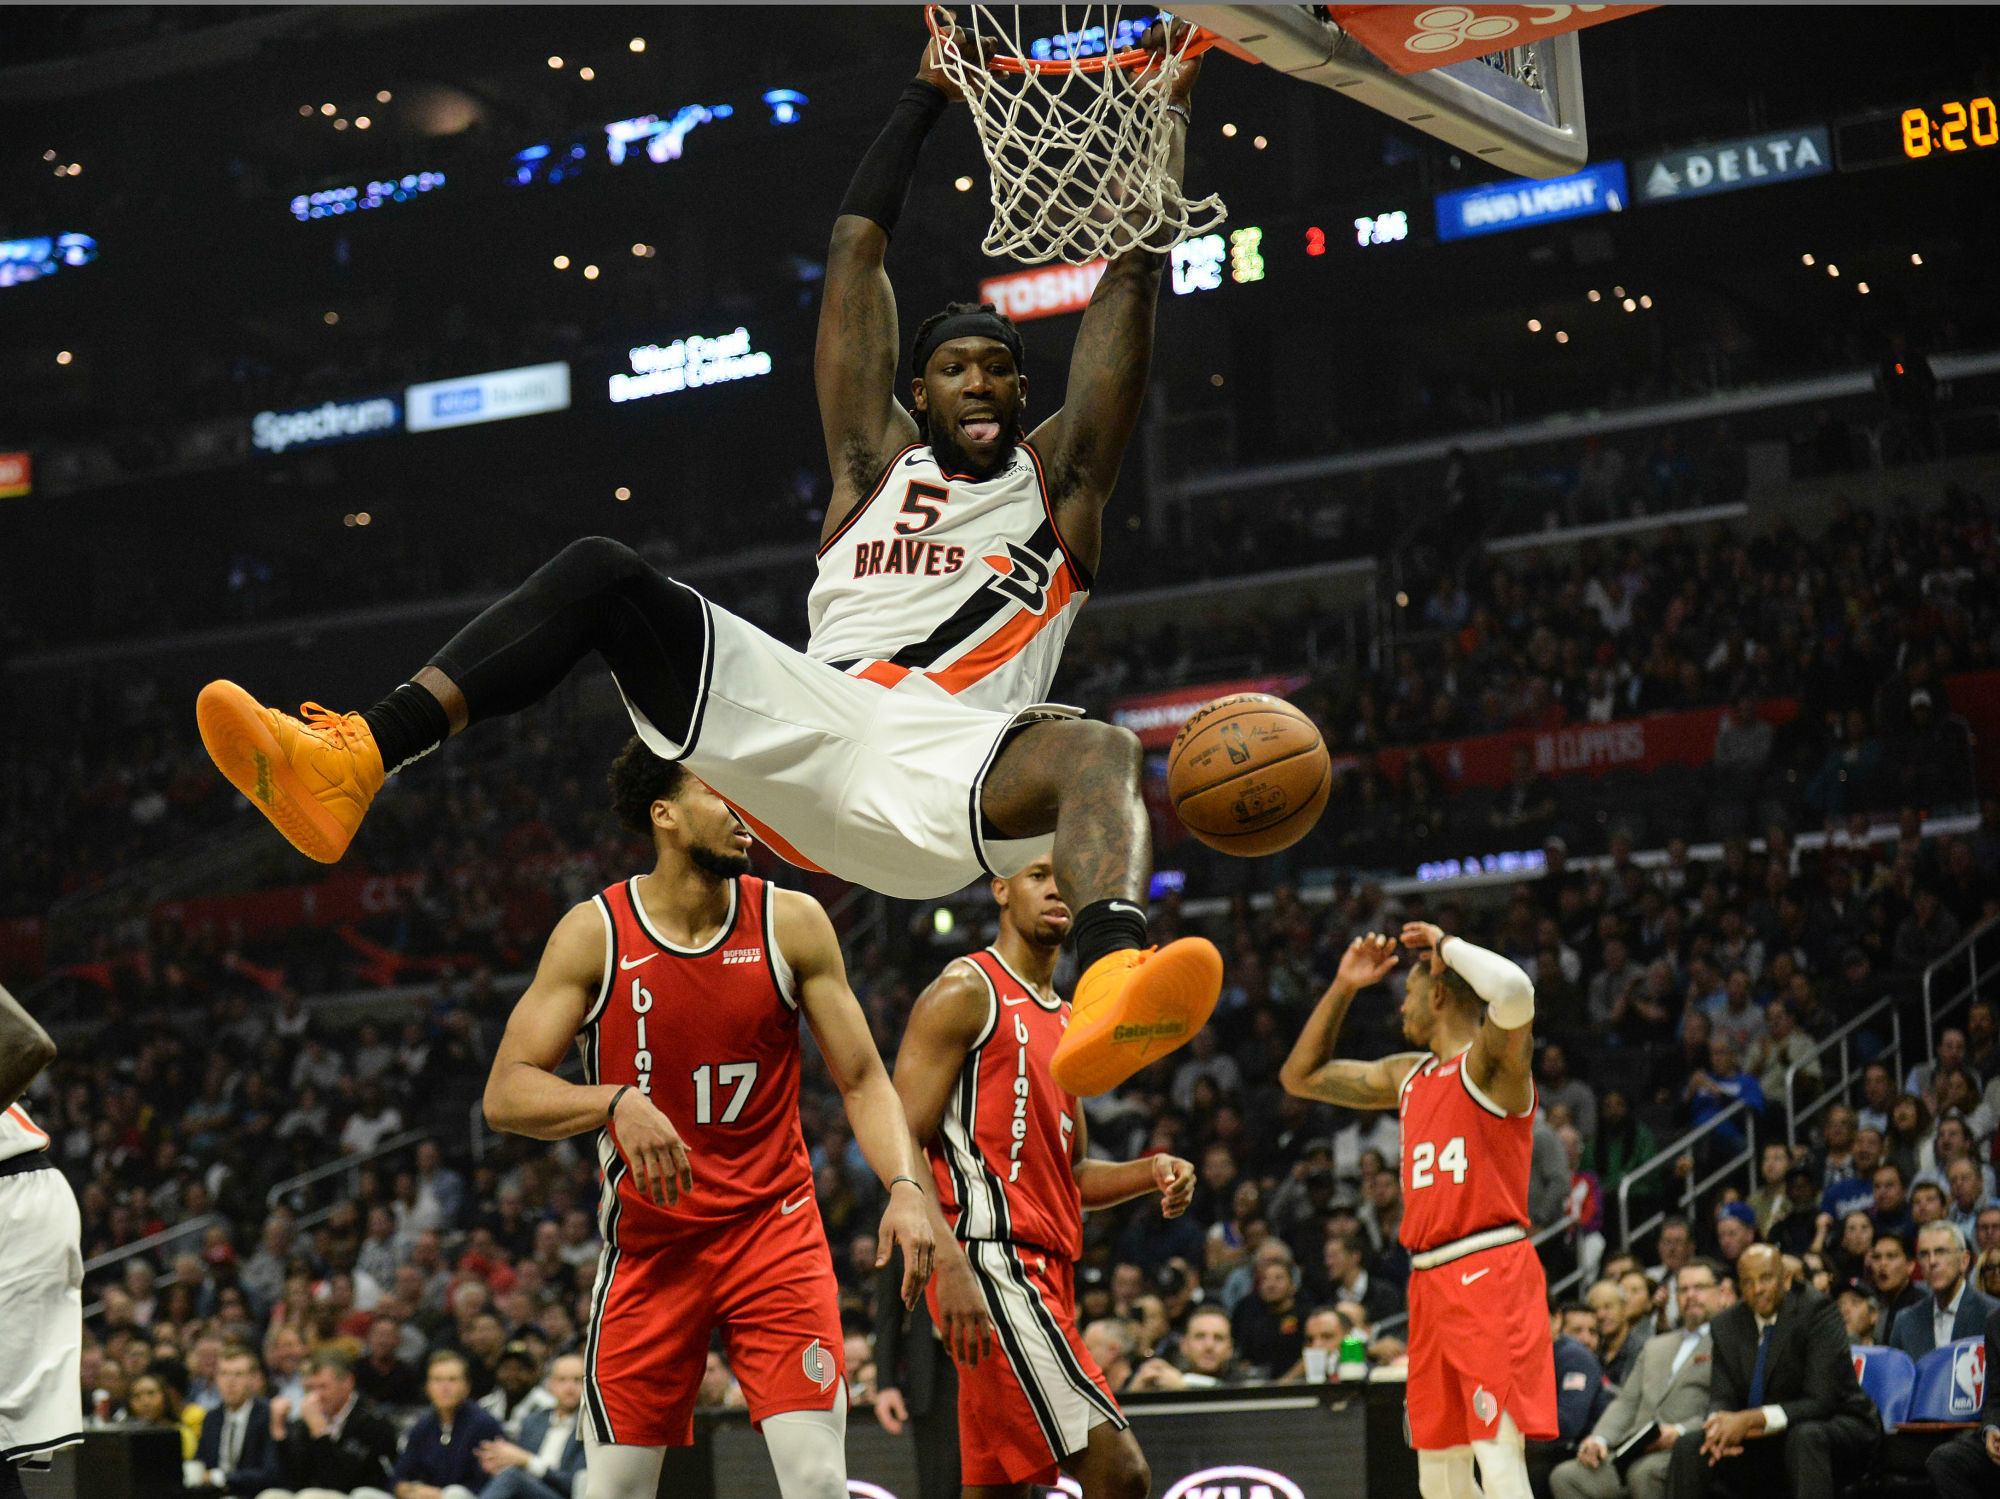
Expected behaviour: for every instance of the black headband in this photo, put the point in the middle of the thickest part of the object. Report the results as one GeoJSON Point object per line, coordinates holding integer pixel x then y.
{"type": "Point", "coordinates": [967, 325]}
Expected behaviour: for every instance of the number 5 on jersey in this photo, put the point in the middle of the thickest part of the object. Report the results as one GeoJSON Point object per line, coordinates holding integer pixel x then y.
{"type": "Point", "coordinates": [1424, 1155]}
{"type": "Point", "coordinates": [742, 1074]}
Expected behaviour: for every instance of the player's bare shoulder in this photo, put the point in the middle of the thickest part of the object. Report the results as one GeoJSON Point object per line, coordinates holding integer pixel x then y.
{"type": "Point", "coordinates": [803, 930]}
{"type": "Point", "coordinates": [957, 1005]}
{"type": "Point", "coordinates": [579, 950]}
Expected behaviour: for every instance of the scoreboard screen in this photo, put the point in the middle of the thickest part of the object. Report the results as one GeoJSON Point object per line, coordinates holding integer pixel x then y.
{"type": "Point", "coordinates": [1929, 131]}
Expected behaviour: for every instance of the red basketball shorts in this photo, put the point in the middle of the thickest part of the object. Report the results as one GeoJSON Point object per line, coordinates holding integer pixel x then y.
{"type": "Point", "coordinates": [1480, 1346]}
{"type": "Point", "coordinates": [664, 1284]}
{"type": "Point", "coordinates": [1033, 1400]}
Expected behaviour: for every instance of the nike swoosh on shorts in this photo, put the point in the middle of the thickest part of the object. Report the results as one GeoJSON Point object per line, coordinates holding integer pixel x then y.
{"type": "Point", "coordinates": [793, 1207]}
{"type": "Point", "coordinates": [1466, 1280]}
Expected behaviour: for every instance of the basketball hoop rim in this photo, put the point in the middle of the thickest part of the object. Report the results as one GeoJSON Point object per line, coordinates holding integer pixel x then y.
{"type": "Point", "coordinates": [1132, 59]}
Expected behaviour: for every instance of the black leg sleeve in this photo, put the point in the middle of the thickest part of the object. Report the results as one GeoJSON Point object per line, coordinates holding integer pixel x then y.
{"type": "Point", "coordinates": [594, 595]}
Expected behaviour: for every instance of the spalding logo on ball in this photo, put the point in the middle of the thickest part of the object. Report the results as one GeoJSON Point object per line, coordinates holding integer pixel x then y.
{"type": "Point", "coordinates": [1249, 774]}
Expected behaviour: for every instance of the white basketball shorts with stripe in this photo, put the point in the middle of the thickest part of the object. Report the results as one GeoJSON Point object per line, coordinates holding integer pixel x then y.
{"type": "Point", "coordinates": [877, 785]}
{"type": "Point", "coordinates": [41, 1315]}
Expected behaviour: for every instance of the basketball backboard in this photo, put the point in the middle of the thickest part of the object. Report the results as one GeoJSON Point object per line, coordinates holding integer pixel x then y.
{"type": "Point", "coordinates": [1520, 108]}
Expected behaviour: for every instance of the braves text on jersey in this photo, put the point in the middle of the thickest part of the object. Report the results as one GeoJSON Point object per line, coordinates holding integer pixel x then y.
{"type": "Point", "coordinates": [1001, 1154]}
{"type": "Point", "coordinates": [965, 582]}
{"type": "Point", "coordinates": [18, 1133]}
{"type": "Point", "coordinates": [711, 1035]}
{"type": "Point", "coordinates": [1465, 1159]}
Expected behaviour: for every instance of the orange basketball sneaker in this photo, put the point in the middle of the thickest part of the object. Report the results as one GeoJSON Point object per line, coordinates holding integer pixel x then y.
{"type": "Point", "coordinates": [313, 778]}
{"type": "Point", "coordinates": [1133, 1007]}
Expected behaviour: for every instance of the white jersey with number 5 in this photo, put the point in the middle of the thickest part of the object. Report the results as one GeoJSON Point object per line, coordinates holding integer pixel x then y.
{"type": "Point", "coordinates": [961, 583]}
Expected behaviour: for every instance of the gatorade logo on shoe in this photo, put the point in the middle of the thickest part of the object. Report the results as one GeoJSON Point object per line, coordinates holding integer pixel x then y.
{"type": "Point", "coordinates": [1158, 1031]}
{"type": "Point", "coordinates": [263, 763]}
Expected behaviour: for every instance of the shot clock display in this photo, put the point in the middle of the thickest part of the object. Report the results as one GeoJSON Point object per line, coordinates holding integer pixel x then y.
{"type": "Point", "coordinates": [1937, 128]}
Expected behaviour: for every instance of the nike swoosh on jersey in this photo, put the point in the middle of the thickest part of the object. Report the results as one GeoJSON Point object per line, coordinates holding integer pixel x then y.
{"type": "Point", "coordinates": [1466, 1280]}
{"type": "Point", "coordinates": [1020, 999]}
{"type": "Point", "coordinates": [635, 962]}
{"type": "Point", "coordinates": [793, 1207]}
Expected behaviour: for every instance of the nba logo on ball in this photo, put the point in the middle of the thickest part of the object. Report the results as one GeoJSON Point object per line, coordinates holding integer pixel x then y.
{"type": "Point", "coordinates": [1485, 1406]}
{"type": "Point", "coordinates": [1968, 1379]}
{"type": "Point", "coordinates": [818, 1367]}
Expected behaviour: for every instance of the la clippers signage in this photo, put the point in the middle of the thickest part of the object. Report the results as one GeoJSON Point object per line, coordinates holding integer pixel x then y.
{"type": "Point", "coordinates": [1521, 205]}
{"type": "Point", "coordinates": [17, 474]}
{"type": "Point", "coordinates": [1753, 161]}
{"type": "Point", "coordinates": [1158, 716]}
{"type": "Point", "coordinates": [1414, 38]}
{"type": "Point", "coordinates": [1584, 749]}
{"type": "Point", "coordinates": [1047, 292]}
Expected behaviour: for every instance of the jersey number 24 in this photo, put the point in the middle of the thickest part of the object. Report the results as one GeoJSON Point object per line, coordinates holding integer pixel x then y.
{"type": "Point", "coordinates": [1450, 1161]}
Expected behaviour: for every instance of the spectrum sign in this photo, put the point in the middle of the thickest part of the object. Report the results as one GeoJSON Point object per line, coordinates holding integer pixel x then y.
{"type": "Point", "coordinates": [687, 363]}
{"type": "Point", "coordinates": [331, 421]}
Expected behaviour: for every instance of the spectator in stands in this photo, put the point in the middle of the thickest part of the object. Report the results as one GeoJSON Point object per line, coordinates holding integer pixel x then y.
{"type": "Point", "coordinates": [1674, 1248]}
{"type": "Point", "coordinates": [547, 1460]}
{"type": "Point", "coordinates": [1616, 1351]}
{"type": "Point", "coordinates": [442, 1448]}
{"type": "Point", "coordinates": [1856, 1191]}
{"type": "Point", "coordinates": [1735, 1230]}
{"type": "Point", "coordinates": [333, 1438]}
{"type": "Point", "coordinates": [1581, 1396]}
{"type": "Point", "coordinates": [1205, 1059]}
{"type": "Point", "coordinates": [383, 1374]}
{"type": "Point", "coordinates": [1800, 1230]}
{"type": "Point", "coordinates": [1721, 1086]}
{"type": "Point", "coordinates": [1668, 1388]}
{"type": "Point", "coordinates": [1782, 1047]}
{"type": "Point", "coordinates": [1367, 1298]}
{"type": "Point", "coordinates": [440, 1190]}
{"type": "Point", "coordinates": [1859, 1311]}
{"type": "Point", "coordinates": [1735, 1017]}
{"type": "Point", "coordinates": [1555, 1085]}
{"type": "Point", "coordinates": [1878, 1096]}
{"type": "Point", "coordinates": [1951, 1055]}
{"type": "Point", "coordinates": [284, 1363]}
{"type": "Point", "coordinates": [1927, 933]}
{"type": "Point", "coordinates": [236, 1454]}
{"type": "Point", "coordinates": [1835, 1156]}
{"type": "Point", "coordinates": [517, 1391]}
{"type": "Point", "coordinates": [1769, 1201]}
{"type": "Point", "coordinates": [1622, 1142]}
{"type": "Point", "coordinates": [373, 1121]}
{"type": "Point", "coordinates": [1889, 1271]}
{"type": "Point", "coordinates": [1267, 1326]}
{"type": "Point", "coordinates": [1208, 1351]}
{"type": "Point", "coordinates": [1953, 1307]}
{"type": "Point", "coordinates": [1743, 740]}
{"type": "Point", "coordinates": [1891, 1210]}
{"type": "Point", "coordinates": [1986, 1228]}
{"type": "Point", "coordinates": [1114, 1343]}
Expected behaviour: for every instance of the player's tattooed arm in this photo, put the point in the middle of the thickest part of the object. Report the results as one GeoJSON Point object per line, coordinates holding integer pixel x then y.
{"type": "Point", "coordinates": [874, 1112]}
{"type": "Point", "coordinates": [25, 1049]}
{"type": "Point", "coordinates": [1313, 1071]}
{"type": "Point", "coordinates": [854, 366]}
{"type": "Point", "coordinates": [945, 1024]}
{"type": "Point", "coordinates": [1084, 443]}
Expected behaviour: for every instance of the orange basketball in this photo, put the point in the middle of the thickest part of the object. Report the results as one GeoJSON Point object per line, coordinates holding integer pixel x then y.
{"type": "Point", "coordinates": [1248, 774]}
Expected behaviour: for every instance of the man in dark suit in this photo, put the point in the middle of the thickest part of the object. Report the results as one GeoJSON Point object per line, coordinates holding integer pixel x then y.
{"type": "Point", "coordinates": [236, 1454]}
{"type": "Point", "coordinates": [1954, 1307]}
{"type": "Point", "coordinates": [916, 1383]}
{"type": "Point", "coordinates": [1785, 1410]}
{"type": "Point", "coordinates": [1968, 1466]}
{"type": "Point", "coordinates": [336, 1439]}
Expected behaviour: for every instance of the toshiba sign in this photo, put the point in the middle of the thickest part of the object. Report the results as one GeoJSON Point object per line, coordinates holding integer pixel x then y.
{"type": "Point", "coordinates": [1043, 293]}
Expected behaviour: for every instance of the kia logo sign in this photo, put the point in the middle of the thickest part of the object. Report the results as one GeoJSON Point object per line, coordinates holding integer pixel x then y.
{"type": "Point", "coordinates": [1235, 1482]}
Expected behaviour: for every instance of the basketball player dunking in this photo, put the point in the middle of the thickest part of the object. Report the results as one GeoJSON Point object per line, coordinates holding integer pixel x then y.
{"type": "Point", "coordinates": [1482, 1367]}
{"type": "Point", "coordinates": [41, 1269]}
{"type": "Point", "coordinates": [1007, 1152]}
{"type": "Point", "coordinates": [684, 988]}
{"type": "Point", "coordinates": [908, 747]}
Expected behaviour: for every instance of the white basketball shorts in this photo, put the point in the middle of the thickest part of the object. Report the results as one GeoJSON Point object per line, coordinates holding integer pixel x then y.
{"type": "Point", "coordinates": [41, 1315]}
{"type": "Point", "coordinates": [877, 785]}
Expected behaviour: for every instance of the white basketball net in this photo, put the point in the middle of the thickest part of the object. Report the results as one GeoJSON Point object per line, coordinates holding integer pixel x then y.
{"type": "Point", "coordinates": [1077, 160]}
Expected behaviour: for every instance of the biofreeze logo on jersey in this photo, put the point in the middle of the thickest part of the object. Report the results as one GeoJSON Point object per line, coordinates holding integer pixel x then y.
{"type": "Point", "coordinates": [743, 955]}
{"type": "Point", "coordinates": [642, 1056]}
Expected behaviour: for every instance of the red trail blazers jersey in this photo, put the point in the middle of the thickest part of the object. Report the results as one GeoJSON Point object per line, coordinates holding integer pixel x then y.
{"type": "Point", "coordinates": [711, 1035]}
{"type": "Point", "coordinates": [1001, 1154]}
{"type": "Point", "coordinates": [1465, 1159]}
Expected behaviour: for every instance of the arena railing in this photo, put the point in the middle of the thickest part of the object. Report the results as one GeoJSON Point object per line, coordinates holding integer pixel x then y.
{"type": "Point", "coordinates": [312, 1217]}
{"type": "Point", "coordinates": [193, 1230]}
{"type": "Point", "coordinates": [1829, 1093]}
{"type": "Point", "coordinates": [1935, 1009]}
{"type": "Point", "coordinates": [1744, 1160]}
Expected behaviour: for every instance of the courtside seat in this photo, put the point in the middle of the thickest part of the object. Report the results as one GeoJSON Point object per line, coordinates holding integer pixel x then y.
{"type": "Point", "coordinates": [1950, 1384]}
{"type": "Point", "coordinates": [1889, 1375]}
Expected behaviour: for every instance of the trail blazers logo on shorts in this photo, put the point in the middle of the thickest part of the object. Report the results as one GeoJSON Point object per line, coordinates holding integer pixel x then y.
{"type": "Point", "coordinates": [1485, 1406]}
{"type": "Point", "coordinates": [817, 1364]}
